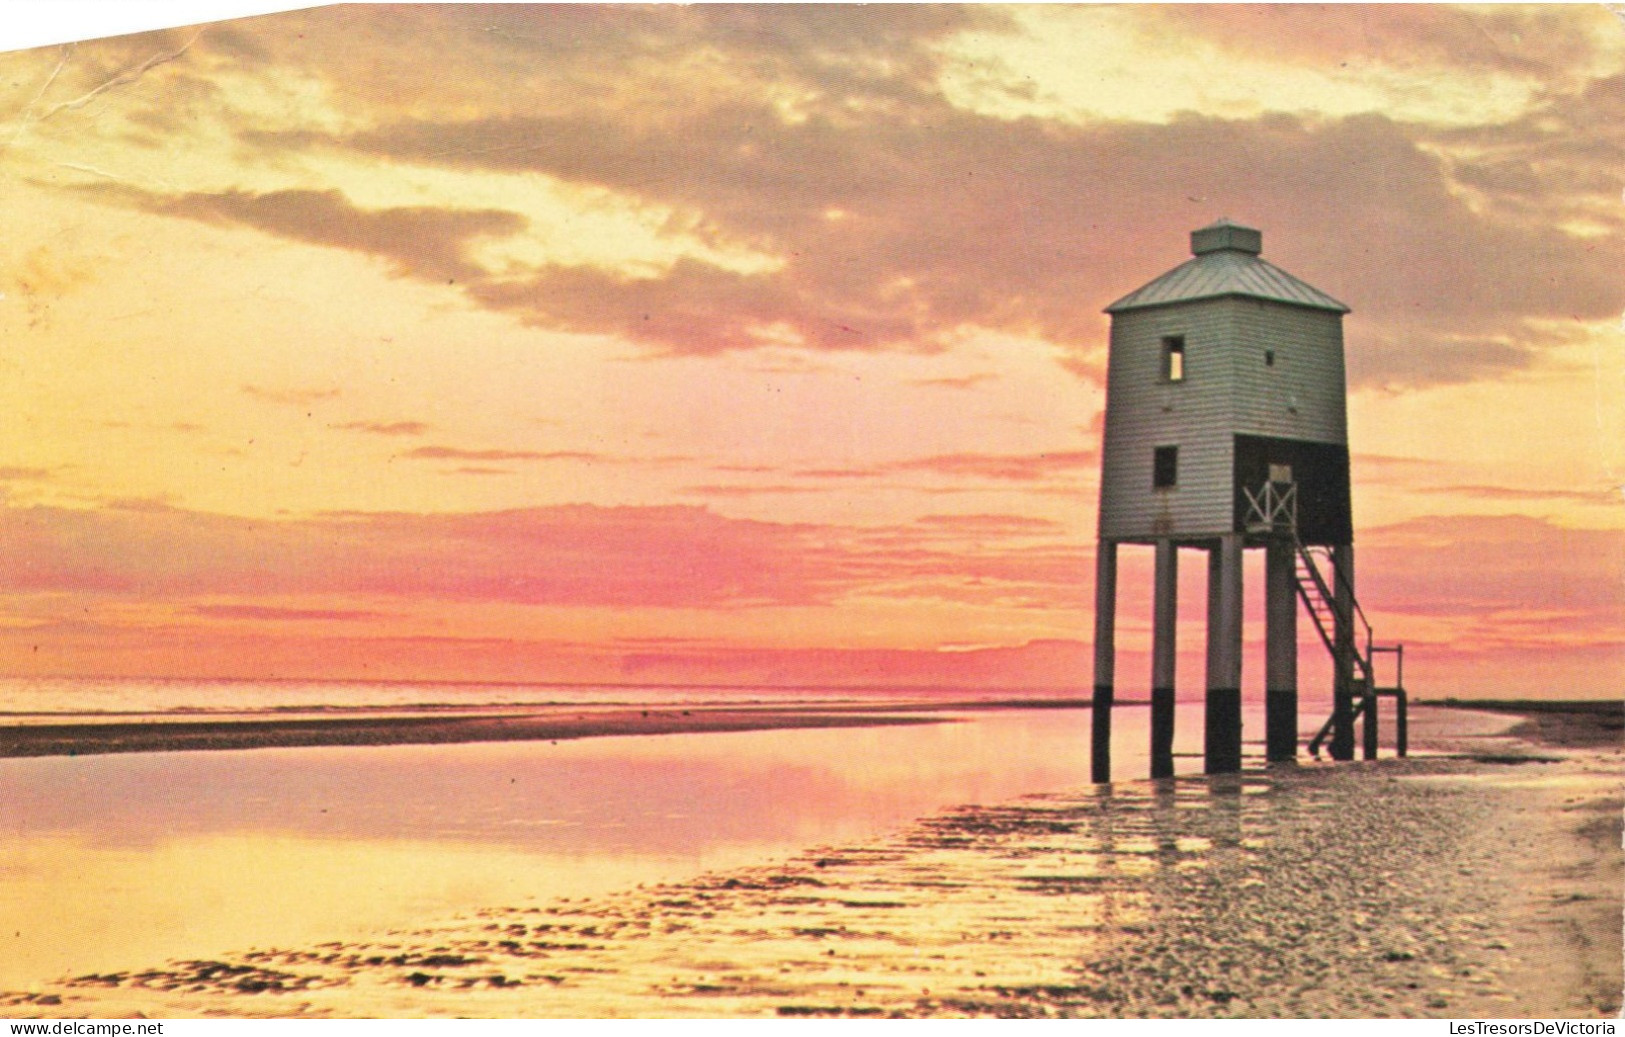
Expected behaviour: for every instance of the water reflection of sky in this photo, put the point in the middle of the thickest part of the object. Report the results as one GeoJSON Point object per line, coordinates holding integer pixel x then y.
{"type": "Point", "coordinates": [125, 860]}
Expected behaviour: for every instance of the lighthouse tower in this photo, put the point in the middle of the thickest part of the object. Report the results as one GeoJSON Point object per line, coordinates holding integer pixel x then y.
{"type": "Point", "coordinates": [1226, 428]}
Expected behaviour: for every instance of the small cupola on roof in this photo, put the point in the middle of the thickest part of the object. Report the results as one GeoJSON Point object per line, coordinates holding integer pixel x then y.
{"type": "Point", "coordinates": [1222, 234]}
{"type": "Point", "coordinates": [1226, 263]}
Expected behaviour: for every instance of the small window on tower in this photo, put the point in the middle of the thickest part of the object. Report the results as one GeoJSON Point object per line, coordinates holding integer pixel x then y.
{"type": "Point", "coordinates": [1269, 358]}
{"type": "Point", "coordinates": [1173, 358]}
{"type": "Point", "coordinates": [1165, 467]}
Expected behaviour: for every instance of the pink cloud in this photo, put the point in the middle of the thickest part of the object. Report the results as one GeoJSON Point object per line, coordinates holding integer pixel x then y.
{"type": "Point", "coordinates": [447, 453]}
{"type": "Point", "coordinates": [969, 381]}
{"type": "Point", "coordinates": [583, 555]}
{"type": "Point", "coordinates": [989, 524]}
{"type": "Point", "coordinates": [421, 241]}
{"type": "Point", "coordinates": [1013, 467]}
{"type": "Point", "coordinates": [1033, 467]}
{"type": "Point", "coordinates": [576, 555]}
{"type": "Point", "coordinates": [385, 428]}
{"type": "Point", "coordinates": [719, 490]}
{"type": "Point", "coordinates": [1601, 495]}
{"type": "Point", "coordinates": [290, 397]}
{"type": "Point", "coordinates": [272, 613]}
{"type": "Point", "coordinates": [1509, 579]}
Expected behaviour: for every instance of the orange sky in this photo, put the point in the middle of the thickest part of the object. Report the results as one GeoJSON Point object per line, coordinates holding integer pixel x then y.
{"type": "Point", "coordinates": [764, 343]}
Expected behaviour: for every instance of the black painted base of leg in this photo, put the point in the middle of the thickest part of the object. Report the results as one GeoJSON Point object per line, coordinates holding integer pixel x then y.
{"type": "Point", "coordinates": [1280, 725]}
{"type": "Point", "coordinates": [1222, 741]}
{"type": "Point", "coordinates": [1162, 732]}
{"type": "Point", "coordinates": [1100, 736]}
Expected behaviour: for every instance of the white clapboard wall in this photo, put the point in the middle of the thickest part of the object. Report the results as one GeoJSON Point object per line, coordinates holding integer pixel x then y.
{"type": "Point", "coordinates": [1262, 355]}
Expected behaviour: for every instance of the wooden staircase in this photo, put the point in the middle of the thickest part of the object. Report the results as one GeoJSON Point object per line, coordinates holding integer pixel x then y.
{"type": "Point", "coordinates": [1321, 602]}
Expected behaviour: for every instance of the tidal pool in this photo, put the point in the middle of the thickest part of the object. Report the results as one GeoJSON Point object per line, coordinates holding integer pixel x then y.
{"type": "Point", "coordinates": [121, 861]}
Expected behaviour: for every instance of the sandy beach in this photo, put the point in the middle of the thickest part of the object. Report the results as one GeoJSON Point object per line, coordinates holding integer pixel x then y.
{"type": "Point", "coordinates": [85, 738]}
{"type": "Point", "coordinates": [1482, 877]}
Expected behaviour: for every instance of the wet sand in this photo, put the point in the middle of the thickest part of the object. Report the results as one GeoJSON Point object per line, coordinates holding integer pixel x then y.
{"type": "Point", "coordinates": [1570, 724]}
{"type": "Point", "coordinates": [83, 738]}
{"type": "Point", "coordinates": [1481, 880]}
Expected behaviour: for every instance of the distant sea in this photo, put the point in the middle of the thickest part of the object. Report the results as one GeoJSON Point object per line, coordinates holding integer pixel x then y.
{"type": "Point", "coordinates": [53, 696]}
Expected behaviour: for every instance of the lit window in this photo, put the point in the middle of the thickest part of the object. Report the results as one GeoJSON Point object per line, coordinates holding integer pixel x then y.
{"type": "Point", "coordinates": [1173, 358]}
{"type": "Point", "coordinates": [1164, 467]}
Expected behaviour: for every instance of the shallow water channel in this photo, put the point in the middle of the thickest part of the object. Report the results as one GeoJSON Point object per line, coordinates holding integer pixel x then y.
{"type": "Point", "coordinates": [122, 861]}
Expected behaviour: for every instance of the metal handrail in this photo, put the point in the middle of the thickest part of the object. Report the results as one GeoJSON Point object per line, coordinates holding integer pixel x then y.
{"type": "Point", "coordinates": [1398, 652]}
{"type": "Point", "coordinates": [1363, 659]}
{"type": "Point", "coordinates": [1342, 578]}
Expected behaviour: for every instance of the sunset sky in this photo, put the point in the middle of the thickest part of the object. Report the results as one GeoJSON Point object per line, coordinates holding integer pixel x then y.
{"type": "Point", "coordinates": [748, 343]}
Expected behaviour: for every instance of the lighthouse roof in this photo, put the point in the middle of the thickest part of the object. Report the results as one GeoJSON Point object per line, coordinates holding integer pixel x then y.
{"type": "Point", "coordinates": [1226, 263]}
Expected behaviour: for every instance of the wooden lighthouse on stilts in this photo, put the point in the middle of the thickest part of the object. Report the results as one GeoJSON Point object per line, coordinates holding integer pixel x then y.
{"type": "Point", "coordinates": [1226, 429]}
